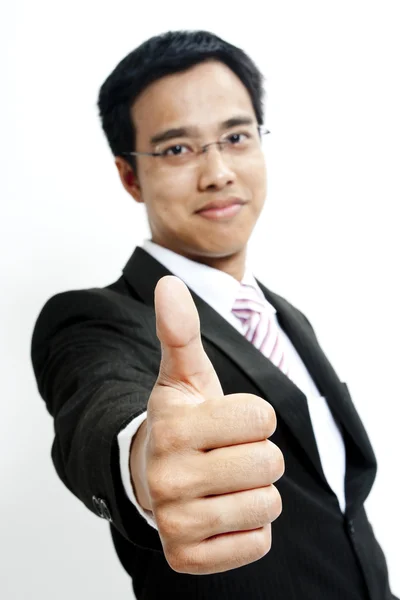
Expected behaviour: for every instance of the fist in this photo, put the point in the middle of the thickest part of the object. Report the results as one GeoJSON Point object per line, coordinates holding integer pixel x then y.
{"type": "Point", "coordinates": [209, 467]}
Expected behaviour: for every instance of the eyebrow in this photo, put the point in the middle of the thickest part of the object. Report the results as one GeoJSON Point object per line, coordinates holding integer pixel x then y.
{"type": "Point", "coordinates": [176, 132]}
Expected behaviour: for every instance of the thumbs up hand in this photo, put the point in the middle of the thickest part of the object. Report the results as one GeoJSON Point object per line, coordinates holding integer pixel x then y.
{"type": "Point", "coordinates": [207, 467]}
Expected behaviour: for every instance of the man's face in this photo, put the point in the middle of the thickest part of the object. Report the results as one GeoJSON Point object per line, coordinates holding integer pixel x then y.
{"type": "Point", "coordinates": [200, 101]}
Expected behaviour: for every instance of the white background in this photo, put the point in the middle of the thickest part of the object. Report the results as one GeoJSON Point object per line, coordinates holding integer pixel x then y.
{"type": "Point", "coordinates": [328, 238]}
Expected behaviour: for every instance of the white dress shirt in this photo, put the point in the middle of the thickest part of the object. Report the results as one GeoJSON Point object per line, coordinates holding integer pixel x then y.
{"type": "Point", "coordinates": [219, 290]}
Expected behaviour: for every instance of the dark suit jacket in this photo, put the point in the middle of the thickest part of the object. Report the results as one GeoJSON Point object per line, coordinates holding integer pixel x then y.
{"type": "Point", "coordinates": [96, 357]}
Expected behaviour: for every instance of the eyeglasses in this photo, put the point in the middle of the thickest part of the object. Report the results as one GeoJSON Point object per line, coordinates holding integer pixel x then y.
{"type": "Point", "coordinates": [236, 144]}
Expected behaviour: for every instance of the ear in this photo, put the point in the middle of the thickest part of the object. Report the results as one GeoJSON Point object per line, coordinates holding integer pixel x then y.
{"type": "Point", "coordinates": [128, 179]}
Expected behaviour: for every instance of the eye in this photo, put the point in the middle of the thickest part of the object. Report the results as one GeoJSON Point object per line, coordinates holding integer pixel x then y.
{"type": "Point", "coordinates": [176, 150]}
{"type": "Point", "coordinates": [238, 138]}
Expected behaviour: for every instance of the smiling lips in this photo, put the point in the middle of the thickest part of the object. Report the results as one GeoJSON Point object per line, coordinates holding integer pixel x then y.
{"type": "Point", "coordinates": [221, 209]}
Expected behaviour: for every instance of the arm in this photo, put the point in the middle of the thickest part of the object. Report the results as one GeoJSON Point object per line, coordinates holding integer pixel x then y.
{"type": "Point", "coordinates": [96, 359]}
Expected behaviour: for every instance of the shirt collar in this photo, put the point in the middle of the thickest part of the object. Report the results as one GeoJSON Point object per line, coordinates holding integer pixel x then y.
{"type": "Point", "coordinates": [217, 288]}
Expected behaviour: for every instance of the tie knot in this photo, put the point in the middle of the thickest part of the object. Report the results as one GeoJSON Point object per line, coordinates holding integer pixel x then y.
{"type": "Point", "coordinates": [247, 303]}
{"type": "Point", "coordinates": [258, 322]}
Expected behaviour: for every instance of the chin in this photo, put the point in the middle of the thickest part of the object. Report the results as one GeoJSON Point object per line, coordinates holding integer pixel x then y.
{"type": "Point", "coordinates": [218, 249]}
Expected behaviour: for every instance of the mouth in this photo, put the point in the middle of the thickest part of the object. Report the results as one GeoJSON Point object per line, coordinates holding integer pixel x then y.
{"type": "Point", "coordinates": [222, 209]}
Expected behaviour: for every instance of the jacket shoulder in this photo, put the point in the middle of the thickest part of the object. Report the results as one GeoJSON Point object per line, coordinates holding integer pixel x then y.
{"type": "Point", "coordinates": [113, 303]}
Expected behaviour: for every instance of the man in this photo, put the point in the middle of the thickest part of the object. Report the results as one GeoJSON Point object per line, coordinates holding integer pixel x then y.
{"type": "Point", "coordinates": [176, 412]}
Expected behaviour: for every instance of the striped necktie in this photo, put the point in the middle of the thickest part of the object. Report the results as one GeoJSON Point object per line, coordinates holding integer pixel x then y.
{"type": "Point", "coordinates": [259, 325]}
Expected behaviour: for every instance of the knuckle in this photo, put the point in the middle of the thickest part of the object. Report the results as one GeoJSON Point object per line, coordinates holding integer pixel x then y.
{"type": "Point", "coordinates": [156, 484]}
{"type": "Point", "coordinates": [269, 418]}
{"type": "Point", "coordinates": [158, 438]}
{"type": "Point", "coordinates": [275, 503]}
{"type": "Point", "coordinates": [178, 485]}
{"type": "Point", "coordinates": [170, 524]}
{"type": "Point", "coordinates": [180, 436]}
{"type": "Point", "coordinates": [265, 541]}
{"type": "Point", "coordinates": [168, 437]}
{"type": "Point", "coordinates": [175, 561]}
{"type": "Point", "coordinates": [167, 483]}
{"type": "Point", "coordinates": [216, 520]}
{"type": "Point", "coordinates": [276, 462]}
{"type": "Point", "coordinates": [280, 464]}
{"type": "Point", "coordinates": [266, 506]}
{"type": "Point", "coordinates": [264, 416]}
{"type": "Point", "coordinates": [184, 560]}
{"type": "Point", "coordinates": [261, 542]}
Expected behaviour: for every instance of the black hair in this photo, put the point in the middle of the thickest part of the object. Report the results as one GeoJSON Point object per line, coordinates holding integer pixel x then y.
{"type": "Point", "coordinates": [171, 52]}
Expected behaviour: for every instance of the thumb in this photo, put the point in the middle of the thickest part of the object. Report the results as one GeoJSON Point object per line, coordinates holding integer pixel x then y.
{"type": "Point", "coordinates": [185, 366]}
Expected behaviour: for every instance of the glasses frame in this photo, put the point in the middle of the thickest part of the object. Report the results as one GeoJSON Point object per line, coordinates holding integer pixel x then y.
{"type": "Point", "coordinates": [261, 131]}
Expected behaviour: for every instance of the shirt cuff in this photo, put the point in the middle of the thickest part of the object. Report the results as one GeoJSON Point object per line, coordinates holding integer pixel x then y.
{"type": "Point", "coordinates": [125, 437]}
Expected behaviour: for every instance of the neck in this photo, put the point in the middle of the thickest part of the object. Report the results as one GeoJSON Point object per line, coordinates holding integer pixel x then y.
{"type": "Point", "coordinates": [234, 265]}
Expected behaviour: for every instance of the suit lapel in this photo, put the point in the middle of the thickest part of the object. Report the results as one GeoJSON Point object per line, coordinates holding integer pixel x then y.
{"type": "Point", "coordinates": [335, 391]}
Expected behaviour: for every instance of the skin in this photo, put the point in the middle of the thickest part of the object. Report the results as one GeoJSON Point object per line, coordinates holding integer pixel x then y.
{"type": "Point", "coordinates": [173, 195]}
{"type": "Point", "coordinates": [201, 462]}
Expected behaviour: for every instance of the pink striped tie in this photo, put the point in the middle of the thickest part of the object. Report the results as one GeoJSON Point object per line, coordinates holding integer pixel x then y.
{"type": "Point", "coordinates": [259, 326]}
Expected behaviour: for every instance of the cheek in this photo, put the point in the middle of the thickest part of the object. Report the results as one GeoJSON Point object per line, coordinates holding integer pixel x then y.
{"type": "Point", "coordinates": [255, 180]}
{"type": "Point", "coordinates": [176, 190]}
{"type": "Point", "coordinates": [261, 172]}
{"type": "Point", "coordinates": [168, 197]}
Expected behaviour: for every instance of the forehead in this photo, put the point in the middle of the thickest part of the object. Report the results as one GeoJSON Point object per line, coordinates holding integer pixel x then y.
{"type": "Point", "coordinates": [203, 96]}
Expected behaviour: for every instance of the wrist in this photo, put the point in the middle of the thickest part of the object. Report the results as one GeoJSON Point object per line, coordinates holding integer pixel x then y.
{"type": "Point", "coordinates": [137, 465]}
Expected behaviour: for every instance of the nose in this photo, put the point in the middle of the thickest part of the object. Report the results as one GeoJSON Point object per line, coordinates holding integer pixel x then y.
{"type": "Point", "coordinates": [214, 172]}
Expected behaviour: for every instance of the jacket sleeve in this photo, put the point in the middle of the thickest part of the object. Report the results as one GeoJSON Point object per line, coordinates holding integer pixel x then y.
{"type": "Point", "coordinates": [96, 357]}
